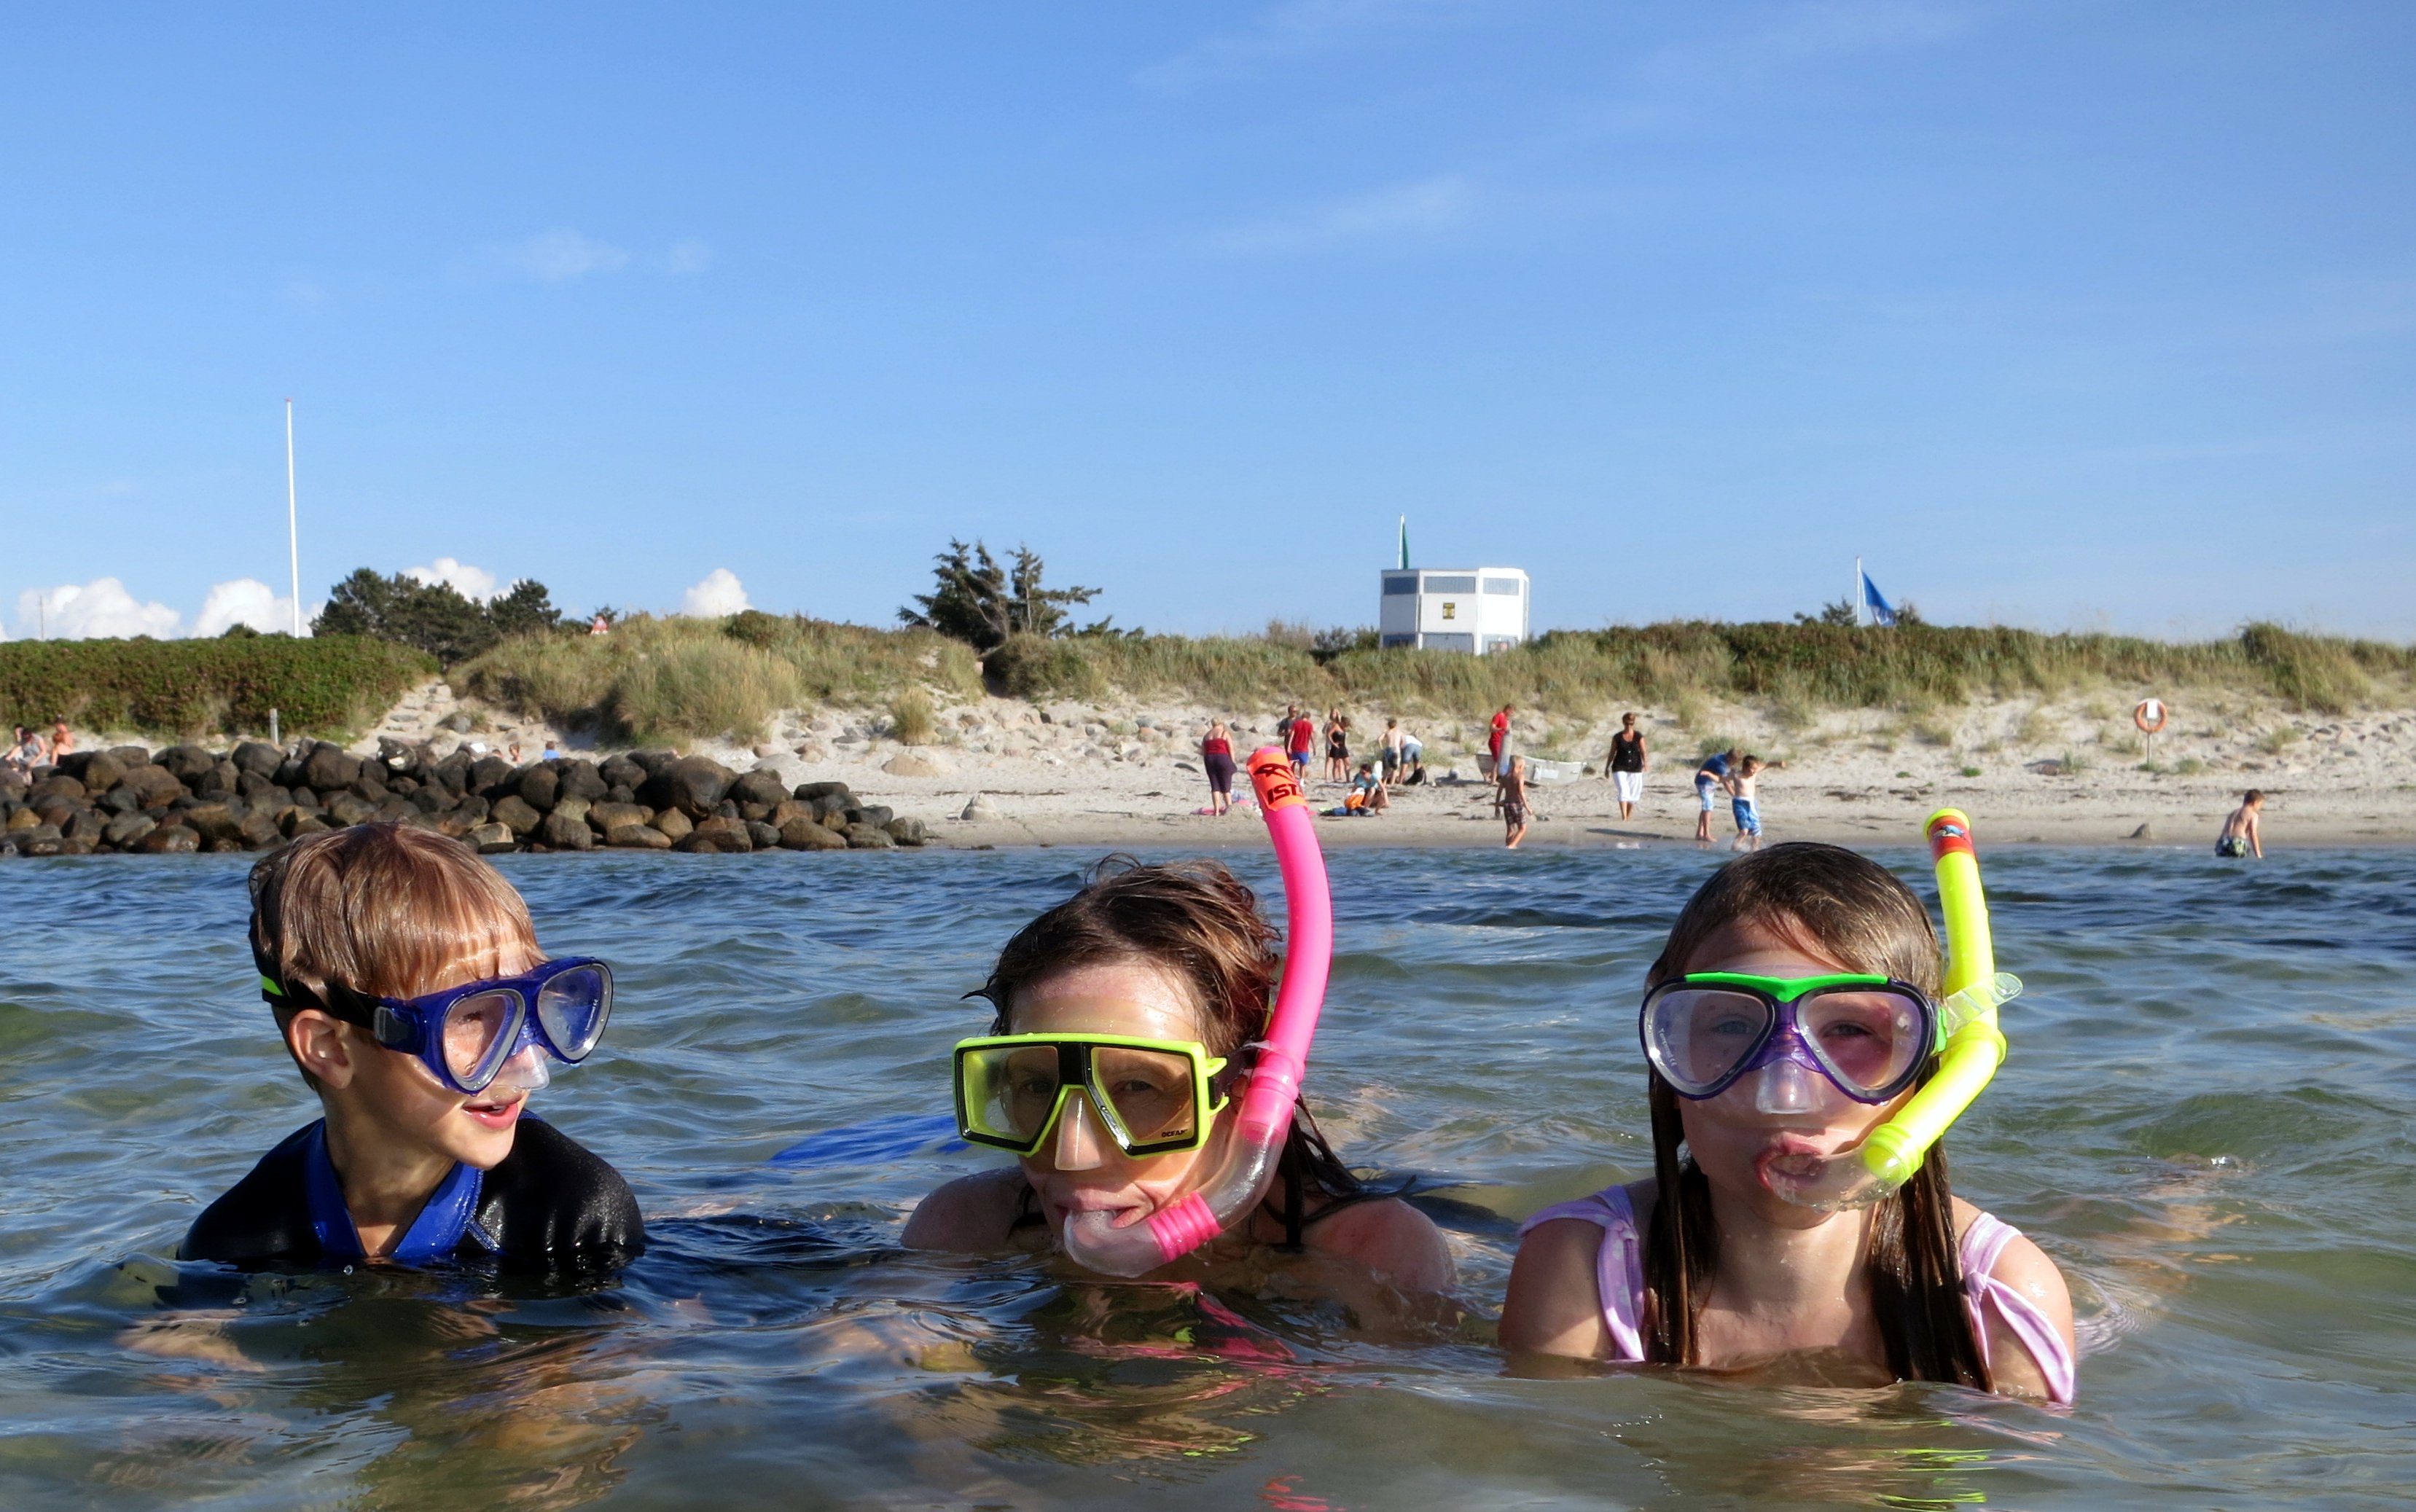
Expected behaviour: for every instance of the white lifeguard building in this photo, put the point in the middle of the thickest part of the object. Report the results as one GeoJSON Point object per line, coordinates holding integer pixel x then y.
{"type": "Point", "coordinates": [1477, 610]}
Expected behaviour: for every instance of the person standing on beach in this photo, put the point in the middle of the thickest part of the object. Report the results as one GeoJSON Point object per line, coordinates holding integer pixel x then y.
{"type": "Point", "coordinates": [1497, 743]}
{"type": "Point", "coordinates": [1216, 759]}
{"type": "Point", "coordinates": [1743, 801]}
{"type": "Point", "coordinates": [2241, 837]}
{"type": "Point", "coordinates": [1514, 803]}
{"type": "Point", "coordinates": [1624, 766]}
{"type": "Point", "coordinates": [1711, 779]}
{"type": "Point", "coordinates": [1298, 740]}
{"type": "Point", "coordinates": [62, 740]}
{"type": "Point", "coordinates": [1390, 751]}
{"type": "Point", "coordinates": [1337, 746]}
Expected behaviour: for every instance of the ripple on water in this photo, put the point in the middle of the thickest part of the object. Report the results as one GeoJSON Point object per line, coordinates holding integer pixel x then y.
{"type": "Point", "coordinates": [2206, 1120]}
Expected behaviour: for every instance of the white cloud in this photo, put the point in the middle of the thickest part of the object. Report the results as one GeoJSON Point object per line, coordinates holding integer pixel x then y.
{"type": "Point", "coordinates": [244, 601]}
{"type": "Point", "coordinates": [688, 256]}
{"type": "Point", "coordinates": [558, 256]}
{"type": "Point", "coordinates": [1422, 208]}
{"type": "Point", "coordinates": [99, 608]}
{"type": "Point", "coordinates": [720, 594]}
{"type": "Point", "coordinates": [476, 584]}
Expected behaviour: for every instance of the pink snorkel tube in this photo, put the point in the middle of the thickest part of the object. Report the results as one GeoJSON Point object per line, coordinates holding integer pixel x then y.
{"type": "Point", "coordinates": [1256, 1138]}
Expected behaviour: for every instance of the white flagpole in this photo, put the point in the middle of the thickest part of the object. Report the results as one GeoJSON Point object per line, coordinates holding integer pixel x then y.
{"type": "Point", "coordinates": [293, 535]}
{"type": "Point", "coordinates": [1858, 593]}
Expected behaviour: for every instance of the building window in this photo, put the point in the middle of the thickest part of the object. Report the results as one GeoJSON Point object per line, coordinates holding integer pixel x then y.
{"type": "Point", "coordinates": [1395, 643]}
{"type": "Point", "coordinates": [1438, 583]}
{"type": "Point", "coordinates": [1503, 585]}
{"type": "Point", "coordinates": [1455, 641]}
{"type": "Point", "coordinates": [1499, 643]}
{"type": "Point", "coordinates": [1405, 582]}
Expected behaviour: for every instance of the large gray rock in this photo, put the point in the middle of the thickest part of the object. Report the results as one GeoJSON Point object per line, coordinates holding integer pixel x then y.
{"type": "Point", "coordinates": [572, 809]}
{"type": "Point", "coordinates": [609, 817]}
{"type": "Point", "coordinates": [540, 785]}
{"type": "Point", "coordinates": [907, 763]}
{"type": "Point", "coordinates": [764, 837]}
{"type": "Point", "coordinates": [814, 791]}
{"type": "Point", "coordinates": [260, 832]}
{"type": "Point", "coordinates": [734, 833]}
{"type": "Point", "coordinates": [674, 824]}
{"type": "Point", "coordinates": [695, 785]}
{"type": "Point", "coordinates": [578, 779]}
{"type": "Point", "coordinates": [907, 831]}
{"type": "Point", "coordinates": [101, 772]}
{"type": "Point", "coordinates": [712, 842]}
{"type": "Point", "coordinates": [214, 822]}
{"type": "Point", "coordinates": [126, 829]}
{"type": "Point", "coordinates": [153, 787]}
{"type": "Point", "coordinates": [219, 781]}
{"type": "Point", "coordinates": [258, 758]}
{"type": "Point", "coordinates": [869, 838]}
{"type": "Point", "coordinates": [637, 837]}
{"type": "Point", "coordinates": [329, 769]}
{"type": "Point", "coordinates": [346, 808]}
{"type": "Point", "coordinates": [492, 840]}
{"type": "Point", "coordinates": [762, 788]}
{"type": "Point", "coordinates": [980, 809]}
{"type": "Point", "coordinates": [807, 835]}
{"type": "Point", "coordinates": [56, 787]}
{"type": "Point", "coordinates": [565, 832]}
{"type": "Point", "coordinates": [187, 764]}
{"type": "Point", "coordinates": [515, 815]}
{"type": "Point", "coordinates": [168, 840]}
{"type": "Point", "coordinates": [492, 777]}
{"type": "Point", "coordinates": [621, 772]}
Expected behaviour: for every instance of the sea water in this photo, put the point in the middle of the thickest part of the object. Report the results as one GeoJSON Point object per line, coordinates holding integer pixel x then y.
{"type": "Point", "coordinates": [2206, 1121]}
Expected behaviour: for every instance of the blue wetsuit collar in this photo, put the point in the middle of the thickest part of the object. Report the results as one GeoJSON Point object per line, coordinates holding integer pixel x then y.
{"type": "Point", "coordinates": [443, 1223]}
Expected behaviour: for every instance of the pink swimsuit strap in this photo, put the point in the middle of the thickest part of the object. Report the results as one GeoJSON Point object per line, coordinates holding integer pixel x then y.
{"type": "Point", "coordinates": [1618, 1279]}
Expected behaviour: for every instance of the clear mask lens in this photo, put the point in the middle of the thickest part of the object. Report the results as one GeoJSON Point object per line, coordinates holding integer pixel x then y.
{"type": "Point", "coordinates": [572, 1008]}
{"type": "Point", "coordinates": [478, 1034]}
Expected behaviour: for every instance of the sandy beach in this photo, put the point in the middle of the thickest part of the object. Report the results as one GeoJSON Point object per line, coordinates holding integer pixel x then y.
{"type": "Point", "coordinates": [2069, 772]}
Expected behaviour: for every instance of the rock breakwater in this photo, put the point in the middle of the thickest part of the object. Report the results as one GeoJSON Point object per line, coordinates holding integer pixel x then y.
{"type": "Point", "coordinates": [257, 797]}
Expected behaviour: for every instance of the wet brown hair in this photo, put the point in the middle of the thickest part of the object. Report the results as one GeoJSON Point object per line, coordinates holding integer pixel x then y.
{"type": "Point", "coordinates": [385, 910]}
{"type": "Point", "coordinates": [1196, 920]}
{"type": "Point", "coordinates": [1830, 902]}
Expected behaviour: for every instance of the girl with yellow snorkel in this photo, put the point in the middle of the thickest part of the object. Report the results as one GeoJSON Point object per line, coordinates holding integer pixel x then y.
{"type": "Point", "coordinates": [1807, 1049]}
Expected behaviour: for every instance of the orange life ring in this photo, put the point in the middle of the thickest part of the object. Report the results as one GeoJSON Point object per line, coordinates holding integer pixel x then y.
{"type": "Point", "coordinates": [2149, 715]}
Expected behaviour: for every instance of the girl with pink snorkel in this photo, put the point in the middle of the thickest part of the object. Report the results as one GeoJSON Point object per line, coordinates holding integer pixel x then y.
{"type": "Point", "coordinates": [1151, 1097]}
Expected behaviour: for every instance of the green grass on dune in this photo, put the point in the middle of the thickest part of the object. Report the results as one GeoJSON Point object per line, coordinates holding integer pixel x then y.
{"type": "Point", "coordinates": [655, 679]}
{"type": "Point", "coordinates": [330, 685]}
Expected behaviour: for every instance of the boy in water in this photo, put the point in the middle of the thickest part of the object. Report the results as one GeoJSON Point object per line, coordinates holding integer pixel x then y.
{"type": "Point", "coordinates": [1514, 803]}
{"type": "Point", "coordinates": [2241, 837]}
{"type": "Point", "coordinates": [408, 987]}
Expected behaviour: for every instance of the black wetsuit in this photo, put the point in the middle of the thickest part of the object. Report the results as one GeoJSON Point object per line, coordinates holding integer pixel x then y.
{"type": "Point", "coordinates": [548, 1206]}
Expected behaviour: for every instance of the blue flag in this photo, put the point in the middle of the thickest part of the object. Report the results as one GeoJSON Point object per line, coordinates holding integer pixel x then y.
{"type": "Point", "coordinates": [1882, 611]}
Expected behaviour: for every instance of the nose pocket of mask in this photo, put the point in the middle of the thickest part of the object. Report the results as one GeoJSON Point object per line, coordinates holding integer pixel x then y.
{"type": "Point", "coordinates": [1783, 1087]}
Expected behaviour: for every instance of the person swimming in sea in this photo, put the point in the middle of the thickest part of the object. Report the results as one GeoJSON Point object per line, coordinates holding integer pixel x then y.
{"type": "Point", "coordinates": [408, 987]}
{"type": "Point", "coordinates": [1794, 1000]}
{"type": "Point", "coordinates": [2241, 836]}
{"type": "Point", "coordinates": [1114, 1071]}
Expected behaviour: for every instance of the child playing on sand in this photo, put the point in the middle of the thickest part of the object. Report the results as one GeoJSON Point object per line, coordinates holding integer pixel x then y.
{"type": "Point", "coordinates": [409, 988]}
{"type": "Point", "coordinates": [1711, 779]}
{"type": "Point", "coordinates": [1153, 979]}
{"type": "Point", "coordinates": [1705, 1263]}
{"type": "Point", "coordinates": [2241, 837]}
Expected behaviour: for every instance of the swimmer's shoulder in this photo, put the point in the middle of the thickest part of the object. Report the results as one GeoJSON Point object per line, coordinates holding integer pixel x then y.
{"type": "Point", "coordinates": [1390, 1238]}
{"type": "Point", "coordinates": [553, 1200]}
{"type": "Point", "coordinates": [264, 1216]}
{"type": "Point", "coordinates": [969, 1215]}
{"type": "Point", "coordinates": [2026, 1268]}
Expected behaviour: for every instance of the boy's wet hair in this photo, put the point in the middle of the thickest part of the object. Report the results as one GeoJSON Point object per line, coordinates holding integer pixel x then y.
{"type": "Point", "coordinates": [386, 910]}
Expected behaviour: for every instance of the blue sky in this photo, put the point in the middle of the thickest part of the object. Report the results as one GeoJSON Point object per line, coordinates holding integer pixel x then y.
{"type": "Point", "coordinates": [2060, 313]}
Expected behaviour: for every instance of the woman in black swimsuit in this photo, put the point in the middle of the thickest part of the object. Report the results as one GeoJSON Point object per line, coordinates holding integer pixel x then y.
{"type": "Point", "coordinates": [1337, 746]}
{"type": "Point", "coordinates": [1146, 966]}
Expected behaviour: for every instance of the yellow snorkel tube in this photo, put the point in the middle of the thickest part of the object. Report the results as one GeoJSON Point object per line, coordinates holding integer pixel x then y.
{"type": "Point", "coordinates": [1971, 989]}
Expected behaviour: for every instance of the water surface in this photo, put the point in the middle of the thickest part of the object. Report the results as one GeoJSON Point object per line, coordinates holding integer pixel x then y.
{"type": "Point", "coordinates": [2207, 1122]}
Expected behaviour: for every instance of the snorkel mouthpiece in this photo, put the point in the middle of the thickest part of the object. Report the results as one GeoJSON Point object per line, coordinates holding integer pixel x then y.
{"type": "Point", "coordinates": [1255, 1139]}
{"type": "Point", "coordinates": [1889, 1156]}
